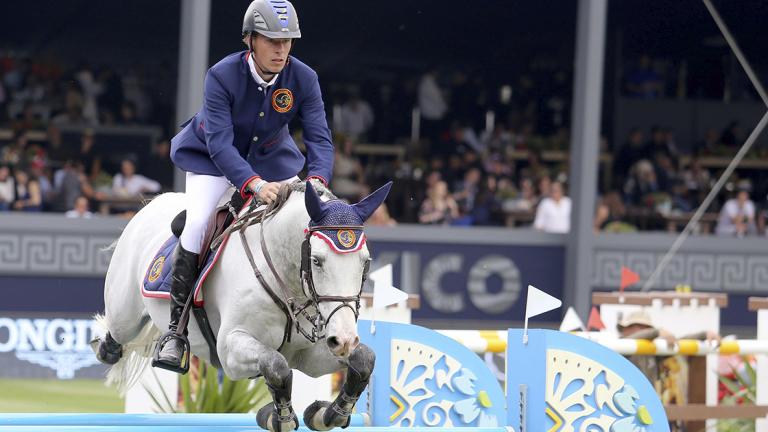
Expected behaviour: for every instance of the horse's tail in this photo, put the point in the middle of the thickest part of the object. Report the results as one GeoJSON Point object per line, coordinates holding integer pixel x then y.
{"type": "Point", "coordinates": [136, 356]}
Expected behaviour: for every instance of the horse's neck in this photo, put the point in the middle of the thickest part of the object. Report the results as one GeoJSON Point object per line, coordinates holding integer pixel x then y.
{"type": "Point", "coordinates": [283, 234]}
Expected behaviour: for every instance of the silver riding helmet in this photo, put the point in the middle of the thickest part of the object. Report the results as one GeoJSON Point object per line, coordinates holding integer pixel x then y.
{"type": "Point", "coordinates": [275, 19]}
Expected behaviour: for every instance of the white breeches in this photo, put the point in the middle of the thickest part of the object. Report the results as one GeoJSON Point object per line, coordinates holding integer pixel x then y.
{"type": "Point", "coordinates": [204, 193]}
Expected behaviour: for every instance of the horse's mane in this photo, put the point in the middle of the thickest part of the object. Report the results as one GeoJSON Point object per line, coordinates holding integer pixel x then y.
{"type": "Point", "coordinates": [320, 188]}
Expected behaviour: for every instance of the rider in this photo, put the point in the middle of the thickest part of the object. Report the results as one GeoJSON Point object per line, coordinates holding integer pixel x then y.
{"type": "Point", "coordinates": [240, 137]}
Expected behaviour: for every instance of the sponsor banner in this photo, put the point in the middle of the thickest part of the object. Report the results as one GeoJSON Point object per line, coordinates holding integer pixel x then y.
{"type": "Point", "coordinates": [48, 346]}
{"type": "Point", "coordinates": [473, 281]}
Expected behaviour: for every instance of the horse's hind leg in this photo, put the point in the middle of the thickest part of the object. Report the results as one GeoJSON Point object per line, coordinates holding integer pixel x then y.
{"type": "Point", "coordinates": [243, 356]}
{"type": "Point", "coordinates": [323, 415]}
{"type": "Point", "coordinates": [125, 317]}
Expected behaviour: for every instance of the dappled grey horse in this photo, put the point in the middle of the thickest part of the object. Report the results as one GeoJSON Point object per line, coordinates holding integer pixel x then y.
{"type": "Point", "coordinates": [284, 295]}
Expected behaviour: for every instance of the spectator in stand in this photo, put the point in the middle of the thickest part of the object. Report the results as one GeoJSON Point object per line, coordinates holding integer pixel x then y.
{"type": "Point", "coordinates": [487, 207]}
{"type": "Point", "coordinates": [666, 173]}
{"type": "Point", "coordinates": [432, 106]}
{"type": "Point", "coordinates": [633, 150]}
{"type": "Point", "coordinates": [38, 171]}
{"type": "Point", "coordinates": [501, 140]}
{"type": "Point", "coordinates": [762, 219]}
{"type": "Point", "coordinates": [662, 142]}
{"type": "Point", "coordinates": [381, 217]}
{"type": "Point", "coordinates": [348, 177]}
{"type": "Point", "coordinates": [643, 82]}
{"type": "Point", "coordinates": [7, 188]}
{"type": "Point", "coordinates": [80, 210]}
{"type": "Point", "coordinates": [129, 184]}
{"type": "Point", "coordinates": [73, 103]}
{"type": "Point", "coordinates": [527, 199]}
{"type": "Point", "coordinates": [438, 208]}
{"type": "Point", "coordinates": [3, 98]}
{"type": "Point", "coordinates": [732, 136]}
{"type": "Point", "coordinates": [708, 145]}
{"type": "Point", "coordinates": [545, 186]}
{"type": "Point", "coordinates": [681, 197]}
{"type": "Point", "coordinates": [69, 183]}
{"type": "Point", "coordinates": [642, 182]}
{"type": "Point", "coordinates": [87, 156]}
{"type": "Point", "coordinates": [91, 90]}
{"type": "Point", "coordinates": [15, 154]}
{"type": "Point", "coordinates": [698, 181]}
{"type": "Point", "coordinates": [454, 171]}
{"type": "Point", "coordinates": [58, 153]}
{"type": "Point", "coordinates": [610, 214]}
{"type": "Point", "coordinates": [553, 214]}
{"type": "Point", "coordinates": [737, 217]}
{"type": "Point", "coordinates": [356, 117]}
{"type": "Point", "coordinates": [468, 189]}
{"type": "Point", "coordinates": [28, 197]}
{"type": "Point", "coordinates": [128, 114]}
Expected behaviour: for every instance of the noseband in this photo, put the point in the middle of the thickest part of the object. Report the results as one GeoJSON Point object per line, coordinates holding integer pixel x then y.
{"type": "Point", "coordinates": [288, 303]}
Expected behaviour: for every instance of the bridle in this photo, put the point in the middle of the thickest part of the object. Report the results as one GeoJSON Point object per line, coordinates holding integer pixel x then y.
{"type": "Point", "coordinates": [319, 323]}
{"type": "Point", "coordinates": [291, 306]}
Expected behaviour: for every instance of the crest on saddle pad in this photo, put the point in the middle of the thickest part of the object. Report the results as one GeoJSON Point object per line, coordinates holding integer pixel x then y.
{"type": "Point", "coordinates": [337, 213]}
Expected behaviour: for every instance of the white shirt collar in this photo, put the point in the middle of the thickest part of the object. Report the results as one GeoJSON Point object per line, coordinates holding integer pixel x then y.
{"type": "Point", "coordinates": [259, 80]}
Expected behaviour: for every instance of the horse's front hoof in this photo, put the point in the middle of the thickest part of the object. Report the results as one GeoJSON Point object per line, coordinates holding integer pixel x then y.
{"type": "Point", "coordinates": [267, 418]}
{"type": "Point", "coordinates": [313, 416]}
{"type": "Point", "coordinates": [318, 417]}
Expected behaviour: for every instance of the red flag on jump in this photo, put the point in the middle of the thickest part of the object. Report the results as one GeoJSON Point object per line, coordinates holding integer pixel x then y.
{"type": "Point", "coordinates": [595, 323]}
{"type": "Point", "coordinates": [628, 277]}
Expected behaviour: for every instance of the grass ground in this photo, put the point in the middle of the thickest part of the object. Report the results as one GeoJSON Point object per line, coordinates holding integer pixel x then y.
{"type": "Point", "coordinates": [39, 395]}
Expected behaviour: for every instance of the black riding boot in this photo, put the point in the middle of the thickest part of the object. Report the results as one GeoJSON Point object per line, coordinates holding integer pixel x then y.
{"type": "Point", "coordinates": [183, 277]}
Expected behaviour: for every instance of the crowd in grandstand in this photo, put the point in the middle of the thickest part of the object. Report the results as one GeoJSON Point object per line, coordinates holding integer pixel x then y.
{"type": "Point", "coordinates": [463, 171]}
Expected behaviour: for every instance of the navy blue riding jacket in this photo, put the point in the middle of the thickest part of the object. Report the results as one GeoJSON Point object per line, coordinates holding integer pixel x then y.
{"type": "Point", "coordinates": [241, 132]}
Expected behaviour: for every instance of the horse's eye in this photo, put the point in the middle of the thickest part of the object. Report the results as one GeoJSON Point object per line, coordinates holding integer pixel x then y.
{"type": "Point", "coordinates": [316, 261]}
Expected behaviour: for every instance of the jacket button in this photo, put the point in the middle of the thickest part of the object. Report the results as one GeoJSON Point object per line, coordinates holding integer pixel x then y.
{"type": "Point", "coordinates": [255, 139]}
{"type": "Point", "coordinates": [261, 114]}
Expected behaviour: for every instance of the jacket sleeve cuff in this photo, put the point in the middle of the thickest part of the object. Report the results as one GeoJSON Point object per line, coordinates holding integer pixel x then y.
{"type": "Point", "coordinates": [244, 192]}
{"type": "Point", "coordinates": [321, 178]}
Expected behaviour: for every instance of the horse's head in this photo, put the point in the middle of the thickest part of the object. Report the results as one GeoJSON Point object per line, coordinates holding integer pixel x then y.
{"type": "Point", "coordinates": [335, 261]}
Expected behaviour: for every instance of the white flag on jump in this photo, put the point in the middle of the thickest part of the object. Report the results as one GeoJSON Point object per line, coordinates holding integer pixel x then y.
{"type": "Point", "coordinates": [539, 302]}
{"type": "Point", "coordinates": [384, 294]}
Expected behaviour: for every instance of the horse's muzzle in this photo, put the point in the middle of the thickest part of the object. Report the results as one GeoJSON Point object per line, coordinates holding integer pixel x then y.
{"type": "Point", "coordinates": [342, 346]}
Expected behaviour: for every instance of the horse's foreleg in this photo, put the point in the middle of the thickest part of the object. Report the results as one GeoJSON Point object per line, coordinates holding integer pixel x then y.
{"type": "Point", "coordinates": [322, 415]}
{"type": "Point", "coordinates": [246, 357]}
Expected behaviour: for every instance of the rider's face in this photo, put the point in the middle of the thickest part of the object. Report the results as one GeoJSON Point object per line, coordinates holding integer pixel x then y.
{"type": "Point", "coordinates": [270, 54]}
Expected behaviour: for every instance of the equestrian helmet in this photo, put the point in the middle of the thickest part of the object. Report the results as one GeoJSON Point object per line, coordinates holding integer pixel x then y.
{"type": "Point", "coordinates": [275, 19]}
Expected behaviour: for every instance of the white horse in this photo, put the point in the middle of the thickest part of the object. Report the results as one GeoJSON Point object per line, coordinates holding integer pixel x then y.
{"type": "Point", "coordinates": [248, 324]}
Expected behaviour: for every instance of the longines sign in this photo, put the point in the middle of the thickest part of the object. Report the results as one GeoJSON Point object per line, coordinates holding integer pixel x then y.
{"type": "Point", "coordinates": [48, 346]}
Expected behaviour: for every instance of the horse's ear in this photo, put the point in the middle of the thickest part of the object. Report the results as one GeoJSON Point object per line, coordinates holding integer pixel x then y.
{"type": "Point", "coordinates": [369, 204]}
{"type": "Point", "coordinates": [315, 207]}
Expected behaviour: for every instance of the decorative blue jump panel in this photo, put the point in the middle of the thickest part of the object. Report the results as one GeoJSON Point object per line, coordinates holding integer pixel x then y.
{"type": "Point", "coordinates": [423, 378]}
{"type": "Point", "coordinates": [559, 382]}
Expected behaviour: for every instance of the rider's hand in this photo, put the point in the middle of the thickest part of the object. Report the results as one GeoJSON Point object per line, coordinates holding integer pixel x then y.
{"type": "Point", "coordinates": [268, 191]}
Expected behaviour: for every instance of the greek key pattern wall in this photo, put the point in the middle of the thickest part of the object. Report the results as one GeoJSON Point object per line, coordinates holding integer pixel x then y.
{"type": "Point", "coordinates": [729, 272]}
{"type": "Point", "coordinates": [54, 254]}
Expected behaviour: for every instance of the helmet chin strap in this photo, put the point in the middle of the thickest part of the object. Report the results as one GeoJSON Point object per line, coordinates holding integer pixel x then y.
{"type": "Point", "coordinates": [263, 73]}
